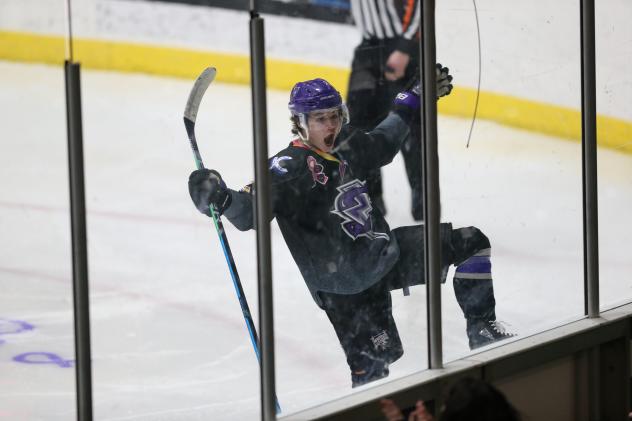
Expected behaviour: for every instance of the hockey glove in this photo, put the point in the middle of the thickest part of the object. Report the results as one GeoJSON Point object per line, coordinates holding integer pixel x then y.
{"type": "Point", "coordinates": [206, 188]}
{"type": "Point", "coordinates": [444, 81]}
{"type": "Point", "coordinates": [407, 103]}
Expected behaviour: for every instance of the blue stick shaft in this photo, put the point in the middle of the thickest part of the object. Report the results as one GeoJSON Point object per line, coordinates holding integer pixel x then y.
{"type": "Point", "coordinates": [236, 282]}
{"type": "Point", "coordinates": [219, 227]}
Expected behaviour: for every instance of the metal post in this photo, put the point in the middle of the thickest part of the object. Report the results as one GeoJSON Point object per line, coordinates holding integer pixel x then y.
{"type": "Point", "coordinates": [432, 206]}
{"type": "Point", "coordinates": [589, 159]}
{"type": "Point", "coordinates": [262, 206]}
{"type": "Point", "coordinates": [81, 298]}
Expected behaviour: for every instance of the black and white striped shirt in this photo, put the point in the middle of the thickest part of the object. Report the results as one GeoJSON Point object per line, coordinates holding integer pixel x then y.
{"type": "Point", "coordinates": [386, 19]}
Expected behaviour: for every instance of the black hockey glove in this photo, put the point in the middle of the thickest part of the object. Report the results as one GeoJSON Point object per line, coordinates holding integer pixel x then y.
{"type": "Point", "coordinates": [206, 188]}
{"type": "Point", "coordinates": [407, 103]}
{"type": "Point", "coordinates": [444, 81]}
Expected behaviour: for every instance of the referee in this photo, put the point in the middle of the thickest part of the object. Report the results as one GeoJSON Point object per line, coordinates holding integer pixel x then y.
{"type": "Point", "coordinates": [383, 63]}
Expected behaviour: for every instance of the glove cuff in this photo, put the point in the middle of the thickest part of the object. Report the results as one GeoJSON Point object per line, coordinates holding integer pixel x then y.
{"type": "Point", "coordinates": [407, 99]}
{"type": "Point", "coordinates": [406, 105]}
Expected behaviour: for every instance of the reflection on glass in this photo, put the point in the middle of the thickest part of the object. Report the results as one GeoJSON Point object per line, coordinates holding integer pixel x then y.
{"type": "Point", "coordinates": [519, 179]}
{"type": "Point", "coordinates": [614, 139]}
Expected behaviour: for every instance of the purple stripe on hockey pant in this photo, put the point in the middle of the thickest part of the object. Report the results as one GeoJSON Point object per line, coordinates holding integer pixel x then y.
{"type": "Point", "coordinates": [475, 264]}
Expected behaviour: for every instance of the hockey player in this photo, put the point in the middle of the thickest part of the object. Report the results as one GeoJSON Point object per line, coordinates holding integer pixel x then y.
{"type": "Point", "coordinates": [348, 256]}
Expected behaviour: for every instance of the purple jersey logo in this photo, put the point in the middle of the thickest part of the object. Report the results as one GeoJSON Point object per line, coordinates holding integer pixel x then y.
{"type": "Point", "coordinates": [354, 206]}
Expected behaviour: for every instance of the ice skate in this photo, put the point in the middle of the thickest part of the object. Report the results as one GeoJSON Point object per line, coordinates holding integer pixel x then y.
{"type": "Point", "coordinates": [485, 332]}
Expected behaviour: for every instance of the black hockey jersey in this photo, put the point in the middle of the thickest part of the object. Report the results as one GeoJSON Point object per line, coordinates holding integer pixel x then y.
{"type": "Point", "coordinates": [340, 243]}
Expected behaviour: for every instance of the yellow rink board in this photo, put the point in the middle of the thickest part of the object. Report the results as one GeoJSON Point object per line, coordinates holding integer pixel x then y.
{"type": "Point", "coordinates": [282, 74]}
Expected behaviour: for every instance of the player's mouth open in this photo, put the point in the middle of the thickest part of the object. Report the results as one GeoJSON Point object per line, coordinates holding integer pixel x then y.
{"type": "Point", "coordinates": [329, 140]}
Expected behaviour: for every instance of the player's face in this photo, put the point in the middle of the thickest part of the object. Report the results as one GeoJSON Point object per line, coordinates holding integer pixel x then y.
{"type": "Point", "coordinates": [323, 127]}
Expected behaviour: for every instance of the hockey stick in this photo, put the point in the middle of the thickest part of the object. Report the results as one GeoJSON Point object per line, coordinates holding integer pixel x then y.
{"type": "Point", "coordinates": [190, 114]}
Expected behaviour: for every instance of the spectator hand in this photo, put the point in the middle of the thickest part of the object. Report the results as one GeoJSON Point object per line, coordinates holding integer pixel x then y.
{"type": "Point", "coordinates": [391, 411]}
{"type": "Point", "coordinates": [206, 188]}
{"type": "Point", "coordinates": [420, 413]}
{"type": "Point", "coordinates": [396, 65]}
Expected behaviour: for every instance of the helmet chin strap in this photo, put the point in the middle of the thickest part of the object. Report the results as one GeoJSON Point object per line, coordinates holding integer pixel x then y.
{"type": "Point", "coordinates": [302, 119]}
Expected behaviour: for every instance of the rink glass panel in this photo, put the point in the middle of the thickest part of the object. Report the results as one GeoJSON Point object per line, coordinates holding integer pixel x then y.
{"type": "Point", "coordinates": [36, 319]}
{"type": "Point", "coordinates": [309, 356]}
{"type": "Point", "coordinates": [614, 88]}
{"type": "Point", "coordinates": [168, 335]}
{"type": "Point", "coordinates": [522, 188]}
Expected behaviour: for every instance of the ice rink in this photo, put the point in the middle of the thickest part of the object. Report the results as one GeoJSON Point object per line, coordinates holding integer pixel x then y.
{"type": "Point", "coordinates": [168, 337]}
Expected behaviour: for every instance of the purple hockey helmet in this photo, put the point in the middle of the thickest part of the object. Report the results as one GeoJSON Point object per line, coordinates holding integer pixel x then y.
{"type": "Point", "coordinates": [312, 95]}
{"type": "Point", "coordinates": [315, 95]}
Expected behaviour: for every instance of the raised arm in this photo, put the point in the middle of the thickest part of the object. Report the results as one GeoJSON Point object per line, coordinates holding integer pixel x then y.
{"type": "Point", "coordinates": [207, 187]}
{"type": "Point", "coordinates": [378, 147]}
{"type": "Point", "coordinates": [374, 149]}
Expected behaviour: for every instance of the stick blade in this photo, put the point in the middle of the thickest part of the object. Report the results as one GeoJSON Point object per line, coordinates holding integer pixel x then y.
{"type": "Point", "coordinates": [197, 92]}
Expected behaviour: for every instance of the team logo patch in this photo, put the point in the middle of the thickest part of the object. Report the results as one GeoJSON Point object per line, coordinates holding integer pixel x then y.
{"type": "Point", "coordinates": [317, 171]}
{"type": "Point", "coordinates": [380, 341]}
{"type": "Point", "coordinates": [353, 205]}
{"type": "Point", "coordinates": [275, 164]}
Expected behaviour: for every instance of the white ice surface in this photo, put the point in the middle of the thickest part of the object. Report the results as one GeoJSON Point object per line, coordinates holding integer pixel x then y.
{"type": "Point", "coordinates": [168, 337]}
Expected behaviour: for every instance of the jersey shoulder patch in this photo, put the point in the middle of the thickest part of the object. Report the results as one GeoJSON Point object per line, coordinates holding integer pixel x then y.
{"type": "Point", "coordinates": [277, 165]}
{"type": "Point", "coordinates": [288, 163]}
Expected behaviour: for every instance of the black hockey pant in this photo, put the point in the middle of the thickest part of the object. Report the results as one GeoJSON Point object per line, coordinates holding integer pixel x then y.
{"type": "Point", "coordinates": [466, 248]}
{"type": "Point", "coordinates": [364, 322]}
